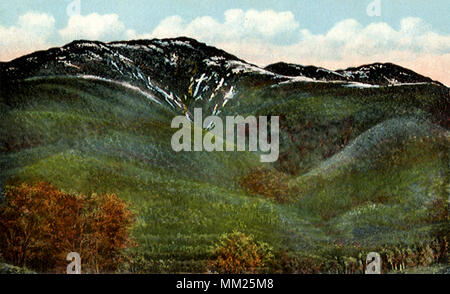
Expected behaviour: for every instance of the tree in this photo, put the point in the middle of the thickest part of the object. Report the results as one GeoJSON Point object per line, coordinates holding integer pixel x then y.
{"type": "Point", "coordinates": [40, 225]}
{"type": "Point", "coordinates": [239, 253]}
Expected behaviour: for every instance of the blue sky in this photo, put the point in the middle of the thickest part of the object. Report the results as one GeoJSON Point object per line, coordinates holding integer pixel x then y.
{"type": "Point", "coordinates": [316, 15]}
{"type": "Point", "coordinates": [331, 33]}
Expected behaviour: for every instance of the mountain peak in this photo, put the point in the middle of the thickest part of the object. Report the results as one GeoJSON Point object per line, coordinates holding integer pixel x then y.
{"type": "Point", "coordinates": [175, 71]}
{"type": "Point", "coordinates": [309, 71]}
{"type": "Point", "coordinates": [382, 74]}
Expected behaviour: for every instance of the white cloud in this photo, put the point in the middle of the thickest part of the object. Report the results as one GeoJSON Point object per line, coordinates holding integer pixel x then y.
{"type": "Point", "coordinates": [41, 23]}
{"type": "Point", "coordinates": [169, 27]}
{"type": "Point", "coordinates": [349, 38]}
{"type": "Point", "coordinates": [239, 25]}
{"type": "Point", "coordinates": [93, 26]}
{"type": "Point", "coordinates": [29, 34]}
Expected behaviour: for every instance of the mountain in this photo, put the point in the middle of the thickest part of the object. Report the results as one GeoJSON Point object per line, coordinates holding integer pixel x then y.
{"type": "Point", "coordinates": [185, 73]}
{"type": "Point", "coordinates": [381, 74]}
{"type": "Point", "coordinates": [174, 71]}
{"type": "Point", "coordinates": [384, 74]}
{"type": "Point", "coordinates": [363, 165]}
{"type": "Point", "coordinates": [316, 73]}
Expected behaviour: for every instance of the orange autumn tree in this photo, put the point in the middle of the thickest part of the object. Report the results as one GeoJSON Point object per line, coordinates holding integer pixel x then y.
{"type": "Point", "coordinates": [40, 225]}
{"type": "Point", "coordinates": [239, 253]}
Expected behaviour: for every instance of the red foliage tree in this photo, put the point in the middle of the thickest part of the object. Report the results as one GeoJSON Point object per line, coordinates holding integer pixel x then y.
{"type": "Point", "coordinates": [40, 225]}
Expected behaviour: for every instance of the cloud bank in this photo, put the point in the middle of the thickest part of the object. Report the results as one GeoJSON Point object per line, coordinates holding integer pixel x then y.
{"type": "Point", "coordinates": [260, 37]}
{"type": "Point", "coordinates": [29, 34]}
{"type": "Point", "coordinates": [93, 27]}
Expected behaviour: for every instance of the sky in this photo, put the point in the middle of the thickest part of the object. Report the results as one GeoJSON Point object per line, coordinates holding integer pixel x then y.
{"type": "Point", "coordinates": [330, 33]}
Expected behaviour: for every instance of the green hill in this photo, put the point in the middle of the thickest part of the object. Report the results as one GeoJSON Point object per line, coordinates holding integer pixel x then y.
{"type": "Point", "coordinates": [93, 136]}
{"type": "Point", "coordinates": [96, 136]}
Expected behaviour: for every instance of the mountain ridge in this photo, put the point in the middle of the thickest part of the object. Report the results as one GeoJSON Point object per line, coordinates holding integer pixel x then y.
{"type": "Point", "coordinates": [185, 73]}
{"type": "Point", "coordinates": [176, 71]}
{"type": "Point", "coordinates": [381, 74]}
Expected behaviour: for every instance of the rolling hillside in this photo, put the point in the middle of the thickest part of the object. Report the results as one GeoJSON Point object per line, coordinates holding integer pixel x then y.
{"type": "Point", "coordinates": [362, 165]}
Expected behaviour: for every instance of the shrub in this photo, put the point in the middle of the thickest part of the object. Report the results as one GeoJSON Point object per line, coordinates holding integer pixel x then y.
{"type": "Point", "coordinates": [11, 269]}
{"type": "Point", "coordinates": [287, 262]}
{"type": "Point", "coordinates": [239, 253]}
{"type": "Point", "coordinates": [40, 225]}
{"type": "Point", "coordinates": [438, 208]}
{"type": "Point", "coordinates": [267, 182]}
